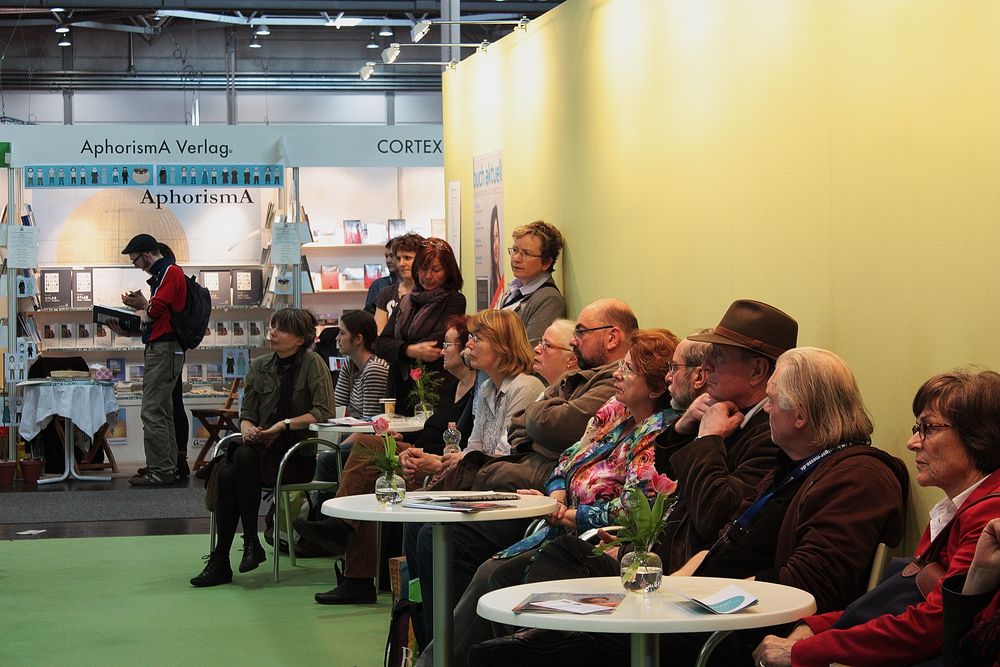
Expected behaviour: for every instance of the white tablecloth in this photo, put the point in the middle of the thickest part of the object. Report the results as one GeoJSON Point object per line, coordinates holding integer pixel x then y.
{"type": "Point", "coordinates": [88, 404]}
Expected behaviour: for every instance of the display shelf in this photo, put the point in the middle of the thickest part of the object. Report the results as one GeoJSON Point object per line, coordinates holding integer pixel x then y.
{"type": "Point", "coordinates": [206, 348]}
{"type": "Point", "coordinates": [226, 308]}
{"type": "Point", "coordinates": [369, 247]}
{"type": "Point", "coordinates": [348, 290]}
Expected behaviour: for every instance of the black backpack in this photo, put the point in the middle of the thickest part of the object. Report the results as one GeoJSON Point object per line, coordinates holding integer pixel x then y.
{"type": "Point", "coordinates": [189, 324]}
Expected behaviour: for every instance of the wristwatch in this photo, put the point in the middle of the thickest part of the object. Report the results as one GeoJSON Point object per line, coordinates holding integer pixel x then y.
{"type": "Point", "coordinates": [288, 424]}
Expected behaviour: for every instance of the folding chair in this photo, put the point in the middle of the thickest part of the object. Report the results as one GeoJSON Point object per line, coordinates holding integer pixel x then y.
{"type": "Point", "coordinates": [218, 422]}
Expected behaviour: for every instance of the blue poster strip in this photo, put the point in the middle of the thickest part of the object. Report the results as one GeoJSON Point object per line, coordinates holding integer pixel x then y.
{"type": "Point", "coordinates": [139, 175]}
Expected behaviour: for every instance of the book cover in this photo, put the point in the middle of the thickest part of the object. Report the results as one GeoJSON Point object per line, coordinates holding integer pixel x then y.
{"type": "Point", "coordinates": [223, 333]}
{"type": "Point", "coordinates": [256, 333]}
{"type": "Point", "coordinates": [67, 335]}
{"type": "Point", "coordinates": [133, 372]}
{"type": "Point", "coordinates": [397, 227]}
{"type": "Point", "coordinates": [373, 272]}
{"type": "Point", "coordinates": [102, 336]}
{"type": "Point", "coordinates": [248, 287]}
{"type": "Point", "coordinates": [126, 319]}
{"type": "Point", "coordinates": [353, 232]}
{"type": "Point", "coordinates": [83, 288]}
{"type": "Point", "coordinates": [241, 333]}
{"type": "Point", "coordinates": [57, 288]}
{"type": "Point", "coordinates": [213, 372]}
{"type": "Point", "coordinates": [117, 367]}
{"type": "Point", "coordinates": [353, 277]}
{"type": "Point", "coordinates": [329, 277]}
{"type": "Point", "coordinates": [50, 336]}
{"type": "Point", "coordinates": [85, 335]}
{"type": "Point", "coordinates": [218, 283]}
{"type": "Point", "coordinates": [194, 372]}
{"type": "Point", "coordinates": [209, 339]}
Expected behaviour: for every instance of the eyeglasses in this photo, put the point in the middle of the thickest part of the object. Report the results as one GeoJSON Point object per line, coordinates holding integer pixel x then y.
{"type": "Point", "coordinates": [514, 250]}
{"type": "Point", "coordinates": [923, 428]}
{"type": "Point", "coordinates": [672, 367]}
{"type": "Point", "coordinates": [475, 338]}
{"type": "Point", "coordinates": [578, 331]}
{"type": "Point", "coordinates": [445, 345]}
{"type": "Point", "coordinates": [137, 258]}
{"type": "Point", "coordinates": [625, 369]}
{"type": "Point", "coordinates": [546, 345]}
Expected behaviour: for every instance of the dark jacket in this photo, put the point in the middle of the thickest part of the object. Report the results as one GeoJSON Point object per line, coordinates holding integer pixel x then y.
{"type": "Point", "coordinates": [714, 478]}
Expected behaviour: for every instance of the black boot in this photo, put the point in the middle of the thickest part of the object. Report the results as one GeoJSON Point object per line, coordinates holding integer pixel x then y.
{"type": "Point", "coordinates": [183, 471]}
{"type": "Point", "coordinates": [253, 554]}
{"type": "Point", "coordinates": [217, 571]}
{"type": "Point", "coordinates": [351, 590]}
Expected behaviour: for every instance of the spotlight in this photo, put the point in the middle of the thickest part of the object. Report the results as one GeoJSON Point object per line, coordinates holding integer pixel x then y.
{"type": "Point", "coordinates": [62, 29]}
{"type": "Point", "coordinates": [385, 31]}
{"type": "Point", "coordinates": [390, 54]}
{"type": "Point", "coordinates": [372, 44]}
{"type": "Point", "coordinates": [64, 40]}
{"type": "Point", "coordinates": [255, 43]}
{"type": "Point", "coordinates": [262, 31]}
{"type": "Point", "coordinates": [57, 10]}
{"type": "Point", "coordinates": [420, 30]}
{"type": "Point", "coordinates": [366, 71]}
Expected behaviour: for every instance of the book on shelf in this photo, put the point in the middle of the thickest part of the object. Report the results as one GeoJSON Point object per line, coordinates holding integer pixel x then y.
{"type": "Point", "coordinates": [67, 335]}
{"type": "Point", "coordinates": [373, 272]}
{"type": "Point", "coordinates": [134, 372]}
{"type": "Point", "coordinates": [247, 287]}
{"type": "Point", "coordinates": [308, 287]}
{"type": "Point", "coordinates": [354, 232]}
{"type": "Point", "coordinates": [83, 288]}
{"type": "Point", "coordinates": [353, 277]}
{"type": "Point", "coordinates": [117, 367]}
{"type": "Point", "coordinates": [85, 335]}
{"type": "Point", "coordinates": [218, 285]}
{"type": "Point", "coordinates": [126, 319]}
{"type": "Point", "coordinates": [397, 227]}
{"type": "Point", "coordinates": [241, 333]}
{"type": "Point", "coordinates": [329, 276]}
{"type": "Point", "coordinates": [213, 372]}
{"type": "Point", "coordinates": [57, 288]}
{"type": "Point", "coordinates": [255, 333]}
{"type": "Point", "coordinates": [223, 333]}
{"type": "Point", "coordinates": [102, 336]}
{"type": "Point", "coordinates": [194, 372]}
{"type": "Point", "coordinates": [209, 339]}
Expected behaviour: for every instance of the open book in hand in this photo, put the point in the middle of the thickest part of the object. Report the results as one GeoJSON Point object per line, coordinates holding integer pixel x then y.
{"type": "Point", "coordinates": [569, 603]}
{"type": "Point", "coordinates": [727, 601]}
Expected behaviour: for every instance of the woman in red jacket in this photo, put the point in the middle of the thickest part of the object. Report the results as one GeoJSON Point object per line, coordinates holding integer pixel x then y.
{"type": "Point", "coordinates": [956, 445]}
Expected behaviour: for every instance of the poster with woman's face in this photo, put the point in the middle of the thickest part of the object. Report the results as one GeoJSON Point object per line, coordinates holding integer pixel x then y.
{"type": "Point", "coordinates": [488, 228]}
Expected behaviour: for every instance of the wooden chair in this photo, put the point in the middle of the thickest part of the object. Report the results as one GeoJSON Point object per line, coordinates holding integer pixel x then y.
{"type": "Point", "coordinates": [99, 443]}
{"type": "Point", "coordinates": [218, 422]}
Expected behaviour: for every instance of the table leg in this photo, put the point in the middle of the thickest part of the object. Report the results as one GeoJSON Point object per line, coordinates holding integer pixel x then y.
{"type": "Point", "coordinates": [443, 639]}
{"type": "Point", "coordinates": [710, 644]}
{"type": "Point", "coordinates": [645, 650]}
{"type": "Point", "coordinates": [70, 470]}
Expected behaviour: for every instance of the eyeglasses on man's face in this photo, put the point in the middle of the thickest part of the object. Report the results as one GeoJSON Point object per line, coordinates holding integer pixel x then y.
{"type": "Point", "coordinates": [672, 367]}
{"type": "Point", "coordinates": [514, 250]}
{"type": "Point", "coordinates": [579, 331]}
{"type": "Point", "coordinates": [925, 428]}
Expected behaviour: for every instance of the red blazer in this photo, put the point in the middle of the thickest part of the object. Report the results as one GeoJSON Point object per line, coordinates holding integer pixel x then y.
{"type": "Point", "coordinates": [170, 295]}
{"type": "Point", "coordinates": [916, 634]}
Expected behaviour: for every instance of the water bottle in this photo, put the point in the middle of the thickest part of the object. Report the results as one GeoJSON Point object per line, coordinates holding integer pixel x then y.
{"type": "Point", "coordinates": [452, 439]}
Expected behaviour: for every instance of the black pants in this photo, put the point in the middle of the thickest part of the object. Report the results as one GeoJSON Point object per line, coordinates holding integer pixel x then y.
{"type": "Point", "coordinates": [180, 417]}
{"type": "Point", "coordinates": [239, 496]}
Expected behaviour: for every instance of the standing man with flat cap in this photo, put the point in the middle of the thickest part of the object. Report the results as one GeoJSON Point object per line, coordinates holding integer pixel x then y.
{"type": "Point", "coordinates": [721, 447]}
{"type": "Point", "coordinates": [163, 357]}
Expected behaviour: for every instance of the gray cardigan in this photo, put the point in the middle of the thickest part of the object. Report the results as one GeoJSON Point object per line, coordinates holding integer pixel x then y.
{"type": "Point", "coordinates": [540, 308]}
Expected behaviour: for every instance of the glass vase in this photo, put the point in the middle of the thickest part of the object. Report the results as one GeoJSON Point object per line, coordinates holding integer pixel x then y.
{"type": "Point", "coordinates": [423, 410]}
{"type": "Point", "coordinates": [390, 489]}
{"type": "Point", "coordinates": [642, 572]}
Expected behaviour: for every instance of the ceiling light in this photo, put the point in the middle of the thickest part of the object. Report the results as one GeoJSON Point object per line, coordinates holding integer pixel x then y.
{"type": "Point", "coordinates": [366, 71]}
{"type": "Point", "coordinates": [342, 21]}
{"type": "Point", "coordinates": [57, 10]}
{"type": "Point", "coordinates": [255, 43]}
{"type": "Point", "coordinates": [62, 29]}
{"type": "Point", "coordinates": [64, 40]}
{"type": "Point", "coordinates": [420, 30]}
{"type": "Point", "coordinates": [262, 31]}
{"type": "Point", "coordinates": [390, 54]}
{"type": "Point", "coordinates": [372, 44]}
{"type": "Point", "coordinates": [385, 31]}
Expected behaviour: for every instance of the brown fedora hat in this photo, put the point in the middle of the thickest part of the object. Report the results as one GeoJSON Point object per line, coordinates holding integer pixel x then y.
{"type": "Point", "coordinates": [754, 326]}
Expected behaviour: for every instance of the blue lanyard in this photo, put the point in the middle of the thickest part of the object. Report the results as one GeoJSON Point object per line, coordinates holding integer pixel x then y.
{"type": "Point", "coordinates": [793, 477]}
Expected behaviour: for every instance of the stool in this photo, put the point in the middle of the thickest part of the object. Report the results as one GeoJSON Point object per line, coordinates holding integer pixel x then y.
{"type": "Point", "coordinates": [99, 443]}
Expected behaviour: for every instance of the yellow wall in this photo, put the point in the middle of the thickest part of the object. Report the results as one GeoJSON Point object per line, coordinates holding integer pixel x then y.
{"type": "Point", "coordinates": [839, 159]}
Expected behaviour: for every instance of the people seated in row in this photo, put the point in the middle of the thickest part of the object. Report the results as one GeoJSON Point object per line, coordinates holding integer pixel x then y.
{"type": "Point", "coordinates": [415, 330]}
{"type": "Point", "coordinates": [537, 437]}
{"type": "Point", "coordinates": [533, 294]}
{"type": "Point", "coordinates": [956, 446]}
{"type": "Point", "coordinates": [357, 539]}
{"type": "Point", "coordinates": [361, 385]}
{"type": "Point", "coordinates": [286, 391]}
{"type": "Point", "coordinates": [404, 250]}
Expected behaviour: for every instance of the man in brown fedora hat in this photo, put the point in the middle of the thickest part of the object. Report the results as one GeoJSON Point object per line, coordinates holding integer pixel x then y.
{"type": "Point", "coordinates": [721, 446]}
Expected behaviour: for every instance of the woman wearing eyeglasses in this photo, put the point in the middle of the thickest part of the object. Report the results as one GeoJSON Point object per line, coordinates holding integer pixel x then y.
{"type": "Point", "coordinates": [533, 294]}
{"type": "Point", "coordinates": [956, 445]}
{"type": "Point", "coordinates": [553, 355]}
{"type": "Point", "coordinates": [416, 328]}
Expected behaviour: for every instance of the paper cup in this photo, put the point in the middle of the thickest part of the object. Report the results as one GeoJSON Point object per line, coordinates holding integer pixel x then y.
{"type": "Point", "coordinates": [389, 405]}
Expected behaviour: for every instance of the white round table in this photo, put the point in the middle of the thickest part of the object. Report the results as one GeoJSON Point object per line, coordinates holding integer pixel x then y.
{"type": "Point", "coordinates": [644, 617]}
{"type": "Point", "coordinates": [366, 508]}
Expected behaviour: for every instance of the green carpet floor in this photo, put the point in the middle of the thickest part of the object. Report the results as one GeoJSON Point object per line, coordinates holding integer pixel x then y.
{"type": "Point", "coordinates": [127, 601]}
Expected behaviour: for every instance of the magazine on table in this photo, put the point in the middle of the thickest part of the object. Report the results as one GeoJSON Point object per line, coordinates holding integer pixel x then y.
{"type": "Point", "coordinates": [454, 505]}
{"type": "Point", "coordinates": [569, 603]}
{"type": "Point", "coordinates": [726, 601]}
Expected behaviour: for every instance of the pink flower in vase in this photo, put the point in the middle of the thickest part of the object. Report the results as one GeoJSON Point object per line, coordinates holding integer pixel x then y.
{"type": "Point", "coordinates": [663, 484]}
{"type": "Point", "coordinates": [416, 374]}
{"type": "Point", "coordinates": [381, 425]}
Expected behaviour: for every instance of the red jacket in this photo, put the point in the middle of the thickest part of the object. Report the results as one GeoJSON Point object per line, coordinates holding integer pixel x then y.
{"type": "Point", "coordinates": [916, 634]}
{"type": "Point", "coordinates": [169, 295]}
